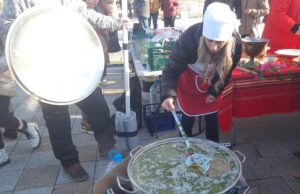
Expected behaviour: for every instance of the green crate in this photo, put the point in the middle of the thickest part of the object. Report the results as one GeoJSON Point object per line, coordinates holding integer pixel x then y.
{"type": "Point", "coordinates": [158, 54]}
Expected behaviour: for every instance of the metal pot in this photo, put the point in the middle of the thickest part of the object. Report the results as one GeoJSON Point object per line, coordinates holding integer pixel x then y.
{"type": "Point", "coordinates": [160, 168]}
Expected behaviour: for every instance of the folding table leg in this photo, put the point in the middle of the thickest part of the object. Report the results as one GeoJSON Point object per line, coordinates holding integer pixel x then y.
{"type": "Point", "coordinates": [233, 136]}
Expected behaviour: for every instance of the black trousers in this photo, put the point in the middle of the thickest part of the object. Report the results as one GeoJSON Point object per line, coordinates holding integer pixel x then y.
{"type": "Point", "coordinates": [169, 21]}
{"type": "Point", "coordinates": [58, 123]}
{"type": "Point", "coordinates": [212, 126]}
{"type": "Point", "coordinates": [7, 119]}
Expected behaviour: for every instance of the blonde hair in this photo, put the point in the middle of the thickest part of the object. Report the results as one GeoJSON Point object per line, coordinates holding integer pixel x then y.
{"type": "Point", "coordinates": [220, 63]}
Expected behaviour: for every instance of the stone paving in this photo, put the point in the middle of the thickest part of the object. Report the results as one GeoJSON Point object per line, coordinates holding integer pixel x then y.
{"type": "Point", "coordinates": [271, 144]}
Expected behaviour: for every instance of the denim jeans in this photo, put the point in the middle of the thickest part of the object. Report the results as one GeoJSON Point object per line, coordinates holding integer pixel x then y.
{"type": "Point", "coordinates": [58, 123]}
{"type": "Point", "coordinates": [143, 22]}
{"type": "Point", "coordinates": [154, 17]}
{"type": "Point", "coordinates": [7, 120]}
{"type": "Point", "coordinates": [212, 126]}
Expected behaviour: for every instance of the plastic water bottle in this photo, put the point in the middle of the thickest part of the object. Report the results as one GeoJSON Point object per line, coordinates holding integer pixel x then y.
{"type": "Point", "coordinates": [154, 94]}
{"type": "Point", "coordinates": [116, 158]}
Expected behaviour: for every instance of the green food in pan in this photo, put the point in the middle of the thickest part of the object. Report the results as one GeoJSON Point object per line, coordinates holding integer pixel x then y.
{"type": "Point", "coordinates": [162, 169]}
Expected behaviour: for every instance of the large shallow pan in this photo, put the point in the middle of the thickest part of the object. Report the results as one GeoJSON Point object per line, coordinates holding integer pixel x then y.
{"type": "Point", "coordinates": [160, 168]}
{"type": "Point", "coordinates": [54, 55]}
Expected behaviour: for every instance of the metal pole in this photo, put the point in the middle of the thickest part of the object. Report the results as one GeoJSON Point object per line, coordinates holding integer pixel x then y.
{"type": "Point", "coordinates": [126, 59]}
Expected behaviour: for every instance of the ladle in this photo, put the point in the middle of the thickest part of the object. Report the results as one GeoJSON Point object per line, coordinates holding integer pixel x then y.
{"type": "Point", "coordinates": [195, 159]}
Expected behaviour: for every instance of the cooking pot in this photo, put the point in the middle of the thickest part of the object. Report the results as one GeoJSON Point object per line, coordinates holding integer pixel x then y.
{"type": "Point", "coordinates": [160, 168]}
{"type": "Point", "coordinates": [54, 55]}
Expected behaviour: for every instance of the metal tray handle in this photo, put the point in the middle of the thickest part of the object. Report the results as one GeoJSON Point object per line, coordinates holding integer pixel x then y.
{"type": "Point", "coordinates": [132, 152]}
{"type": "Point", "coordinates": [247, 190]}
{"type": "Point", "coordinates": [242, 156]}
{"type": "Point", "coordinates": [122, 188]}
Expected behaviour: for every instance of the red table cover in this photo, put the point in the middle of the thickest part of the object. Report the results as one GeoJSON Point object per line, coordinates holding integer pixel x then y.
{"type": "Point", "coordinates": [246, 97]}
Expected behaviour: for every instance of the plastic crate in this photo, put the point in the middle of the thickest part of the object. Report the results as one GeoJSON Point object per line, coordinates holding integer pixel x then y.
{"type": "Point", "coordinates": [157, 121]}
{"type": "Point", "coordinates": [158, 54]}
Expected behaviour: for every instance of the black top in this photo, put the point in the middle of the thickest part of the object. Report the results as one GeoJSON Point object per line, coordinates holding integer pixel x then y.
{"type": "Point", "coordinates": [184, 52]}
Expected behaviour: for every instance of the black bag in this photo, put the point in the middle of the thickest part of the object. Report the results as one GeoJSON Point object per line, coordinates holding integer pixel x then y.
{"type": "Point", "coordinates": [135, 100]}
{"type": "Point", "coordinates": [113, 42]}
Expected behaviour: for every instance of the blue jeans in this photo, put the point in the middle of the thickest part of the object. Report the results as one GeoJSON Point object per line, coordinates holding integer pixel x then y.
{"type": "Point", "coordinates": [154, 17]}
{"type": "Point", "coordinates": [143, 22]}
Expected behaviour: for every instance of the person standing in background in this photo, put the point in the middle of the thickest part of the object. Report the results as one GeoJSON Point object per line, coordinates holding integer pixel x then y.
{"type": "Point", "coordinates": [142, 11]}
{"type": "Point", "coordinates": [154, 7]}
{"type": "Point", "coordinates": [130, 7]}
{"type": "Point", "coordinates": [111, 7]}
{"type": "Point", "coordinates": [253, 14]}
{"type": "Point", "coordinates": [170, 9]}
{"type": "Point", "coordinates": [283, 25]}
{"type": "Point", "coordinates": [265, 18]}
{"type": "Point", "coordinates": [235, 6]}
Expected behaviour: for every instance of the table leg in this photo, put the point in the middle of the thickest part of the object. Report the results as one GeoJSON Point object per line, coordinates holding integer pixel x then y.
{"type": "Point", "coordinates": [233, 136]}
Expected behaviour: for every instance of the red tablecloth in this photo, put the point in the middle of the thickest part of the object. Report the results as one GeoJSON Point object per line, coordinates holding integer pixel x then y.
{"type": "Point", "coordinates": [247, 97]}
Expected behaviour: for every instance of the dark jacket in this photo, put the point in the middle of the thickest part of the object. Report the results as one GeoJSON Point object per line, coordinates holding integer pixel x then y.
{"type": "Point", "coordinates": [235, 5]}
{"type": "Point", "coordinates": [183, 53]}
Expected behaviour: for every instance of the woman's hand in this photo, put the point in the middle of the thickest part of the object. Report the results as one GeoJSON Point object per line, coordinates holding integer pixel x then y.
{"type": "Point", "coordinates": [298, 31]}
{"type": "Point", "coordinates": [168, 104]}
{"type": "Point", "coordinates": [210, 99]}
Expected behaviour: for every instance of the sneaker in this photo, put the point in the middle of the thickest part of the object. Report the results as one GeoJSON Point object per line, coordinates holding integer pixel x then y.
{"type": "Point", "coordinates": [85, 127]}
{"type": "Point", "coordinates": [33, 135]}
{"type": "Point", "coordinates": [10, 133]}
{"type": "Point", "coordinates": [4, 159]}
{"type": "Point", "coordinates": [295, 176]}
{"type": "Point", "coordinates": [76, 172]}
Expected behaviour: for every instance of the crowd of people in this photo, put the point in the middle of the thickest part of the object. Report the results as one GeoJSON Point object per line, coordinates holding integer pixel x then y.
{"type": "Point", "coordinates": [199, 68]}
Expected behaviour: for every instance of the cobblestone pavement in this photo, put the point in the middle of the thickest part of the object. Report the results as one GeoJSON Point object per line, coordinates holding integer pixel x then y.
{"type": "Point", "coordinates": [271, 144]}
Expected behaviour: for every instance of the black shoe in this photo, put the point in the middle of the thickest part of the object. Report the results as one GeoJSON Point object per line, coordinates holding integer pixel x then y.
{"type": "Point", "coordinates": [10, 133]}
{"type": "Point", "coordinates": [76, 172]}
{"type": "Point", "coordinates": [104, 149]}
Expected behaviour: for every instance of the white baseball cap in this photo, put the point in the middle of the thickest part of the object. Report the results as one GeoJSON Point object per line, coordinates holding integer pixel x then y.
{"type": "Point", "coordinates": [219, 22]}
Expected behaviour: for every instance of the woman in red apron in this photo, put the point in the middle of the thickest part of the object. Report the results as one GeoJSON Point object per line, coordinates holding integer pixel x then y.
{"type": "Point", "coordinates": [200, 66]}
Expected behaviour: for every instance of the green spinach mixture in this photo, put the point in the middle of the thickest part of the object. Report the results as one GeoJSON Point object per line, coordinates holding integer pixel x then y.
{"type": "Point", "coordinates": [161, 169]}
